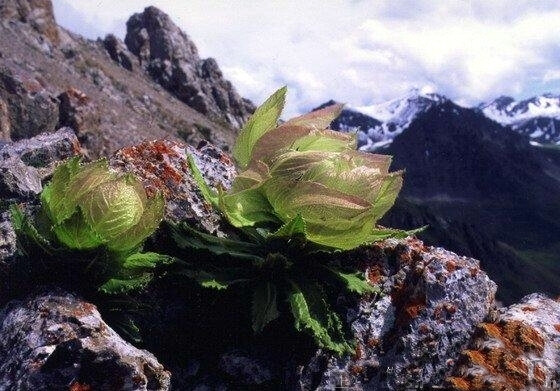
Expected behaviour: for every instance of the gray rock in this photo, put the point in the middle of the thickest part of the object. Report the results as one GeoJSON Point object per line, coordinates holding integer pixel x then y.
{"type": "Point", "coordinates": [8, 240]}
{"type": "Point", "coordinates": [56, 341]}
{"type": "Point", "coordinates": [172, 59]}
{"type": "Point", "coordinates": [27, 108]}
{"type": "Point", "coordinates": [118, 52]}
{"type": "Point", "coordinates": [432, 300]}
{"type": "Point", "coordinates": [44, 150]}
{"type": "Point", "coordinates": [245, 369]}
{"type": "Point", "coordinates": [18, 181]}
{"type": "Point", "coordinates": [162, 166]}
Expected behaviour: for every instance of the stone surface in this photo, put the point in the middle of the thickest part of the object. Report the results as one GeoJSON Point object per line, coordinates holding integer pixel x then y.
{"type": "Point", "coordinates": [56, 341]}
{"type": "Point", "coordinates": [42, 151]}
{"type": "Point", "coordinates": [162, 166]}
{"type": "Point", "coordinates": [18, 181]}
{"type": "Point", "coordinates": [518, 351]}
{"type": "Point", "coordinates": [8, 240]}
{"type": "Point", "coordinates": [412, 334]}
{"type": "Point", "coordinates": [26, 108]}
{"type": "Point", "coordinates": [118, 51]}
{"type": "Point", "coordinates": [172, 59]}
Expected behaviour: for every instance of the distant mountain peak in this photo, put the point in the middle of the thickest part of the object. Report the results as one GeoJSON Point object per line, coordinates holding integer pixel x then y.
{"type": "Point", "coordinates": [538, 117]}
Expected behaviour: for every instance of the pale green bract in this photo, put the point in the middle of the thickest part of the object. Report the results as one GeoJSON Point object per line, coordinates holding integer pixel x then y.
{"type": "Point", "coordinates": [90, 206]}
{"type": "Point", "coordinates": [301, 168]}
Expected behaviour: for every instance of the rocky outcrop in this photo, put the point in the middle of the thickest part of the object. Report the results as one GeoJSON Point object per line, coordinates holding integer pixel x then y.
{"type": "Point", "coordinates": [56, 341]}
{"type": "Point", "coordinates": [172, 59]}
{"type": "Point", "coordinates": [37, 13]}
{"type": "Point", "coordinates": [412, 334]}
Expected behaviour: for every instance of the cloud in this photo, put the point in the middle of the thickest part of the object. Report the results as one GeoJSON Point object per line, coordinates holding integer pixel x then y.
{"type": "Point", "coordinates": [359, 52]}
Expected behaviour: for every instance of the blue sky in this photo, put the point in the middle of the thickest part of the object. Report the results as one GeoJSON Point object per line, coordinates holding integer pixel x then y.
{"type": "Point", "coordinates": [358, 52]}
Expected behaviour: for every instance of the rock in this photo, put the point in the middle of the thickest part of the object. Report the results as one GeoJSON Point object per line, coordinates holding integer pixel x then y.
{"type": "Point", "coordinates": [18, 181]}
{"type": "Point", "coordinates": [162, 166]}
{"type": "Point", "coordinates": [26, 108]}
{"type": "Point", "coordinates": [79, 113]}
{"type": "Point", "coordinates": [56, 341]}
{"type": "Point", "coordinates": [7, 238]}
{"type": "Point", "coordinates": [38, 14]}
{"type": "Point", "coordinates": [172, 59]}
{"type": "Point", "coordinates": [118, 52]}
{"type": "Point", "coordinates": [518, 351]}
{"type": "Point", "coordinates": [44, 150]}
{"type": "Point", "coordinates": [431, 302]}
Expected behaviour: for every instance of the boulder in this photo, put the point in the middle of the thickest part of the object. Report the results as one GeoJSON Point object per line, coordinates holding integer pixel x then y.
{"type": "Point", "coordinates": [118, 52]}
{"type": "Point", "coordinates": [56, 341]}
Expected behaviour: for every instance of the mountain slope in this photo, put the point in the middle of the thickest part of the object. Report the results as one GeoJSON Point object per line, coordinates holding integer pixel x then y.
{"type": "Point", "coordinates": [51, 78]}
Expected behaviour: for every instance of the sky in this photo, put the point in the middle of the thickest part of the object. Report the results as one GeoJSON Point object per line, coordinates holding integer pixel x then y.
{"type": "Point", "coordinates": [355, 51]}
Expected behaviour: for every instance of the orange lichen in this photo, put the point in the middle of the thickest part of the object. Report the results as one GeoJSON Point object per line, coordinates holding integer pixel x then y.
{"type": "Point", "coordinates": [528, 309]}
{"type": "Point", "coordinates": [80, 387]}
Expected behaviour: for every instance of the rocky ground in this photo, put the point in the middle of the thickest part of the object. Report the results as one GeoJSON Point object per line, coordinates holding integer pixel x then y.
{"type": "Point", "coordinates": [435, 324]}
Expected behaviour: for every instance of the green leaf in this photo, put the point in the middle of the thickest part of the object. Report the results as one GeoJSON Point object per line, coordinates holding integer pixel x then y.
{"type": "Point", "coordinates": [247, 208]}
{"type": "Point", "coordinates": [189, 238]}
{"type": "Point", "coordinates": [300, 138]}
{"type": "Point", "coordinates": [387, 194]}
{"type": "Point", "coordinates": [209, 195]}
{"type": "Point", "coordinates": [264, 307]}
{"type": "Point", "coordinates": [264, 119]}
{"type": "Point", "coordinates": [218, 279]}
{"type": "Point", "coordinates": [294, 227]}
{"type": "Point", "coordinates": [75, 233]}
{"type": "Point", "coordinates": [148, 223]}
{"type": "Point", "coordinates": [23, 226]}
{"type": "Point", "coordinates": [313, 315]}
{"type": "Point", "coordinates": [355, 282]}
{"type": "Point", "coordinates": [148, 260]}
{"type": "Point", "coordinates": [119, 286]}
{"type": "Point", "coordinates": [53, 196]}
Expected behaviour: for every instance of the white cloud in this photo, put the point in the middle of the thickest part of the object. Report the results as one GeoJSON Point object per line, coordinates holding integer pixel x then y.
{"type": "Point", "coordinates": [359, 52]}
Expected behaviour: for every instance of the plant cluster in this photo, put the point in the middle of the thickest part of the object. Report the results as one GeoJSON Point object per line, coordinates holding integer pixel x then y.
{"type": "Point", "coordinates": [303, 191]}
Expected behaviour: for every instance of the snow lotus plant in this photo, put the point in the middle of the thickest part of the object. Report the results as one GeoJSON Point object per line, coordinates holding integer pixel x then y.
{"type": "Point", "coordinates": [301, 188]}
{"type": "Point", "coordinates": [90, 209]}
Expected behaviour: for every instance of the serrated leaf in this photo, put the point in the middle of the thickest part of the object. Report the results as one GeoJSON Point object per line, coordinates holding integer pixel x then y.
{"type": "Point", "coordinates": [23, 226]}
{"type": "Point", "coordinates": [387, 194]}
{"type": "Point", "coordinates": [217, 279]}
{"type": "Point", "coordinates": [246, 208]}
{"type": "Point", "coordinates": [189, 238]}
{"type": "Point", "coordinates": [312, 314]}
{"type": "Point", "coordinates": [120, 286]}
{"type": "Point", "coordinates": [264, 119]}
{"type": "Point", "coordinates": [318, 119]}
{"type": "Point", "coordinates": [148, 223]}
{"type": "Point", "coordinates": [209, 195]}
{"type": "Point", "coordinates": [355, 282]}
{"type": "Point", "coordinates": [264, 308]}
{"type": "Point", "coordinates": [148, 260]}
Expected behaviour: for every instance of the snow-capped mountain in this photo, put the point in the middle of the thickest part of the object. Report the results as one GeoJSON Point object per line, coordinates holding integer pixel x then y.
{"type": "Point", "coordinates": [537, 117]}
{"type": "Point", "coordinates": [377, 125]}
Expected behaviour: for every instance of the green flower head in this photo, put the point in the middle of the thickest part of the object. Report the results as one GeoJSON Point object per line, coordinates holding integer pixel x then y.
{"type": "Point", "coordinates": [90, 206]}
{"type": "Point", "coordinates": [302, 170]}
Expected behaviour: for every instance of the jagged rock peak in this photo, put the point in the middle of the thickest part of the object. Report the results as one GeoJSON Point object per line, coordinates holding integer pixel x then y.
{"type": "Point", "coordinates": [172, 59]}
{"type": "Point", "coordinates": [38, 14]}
